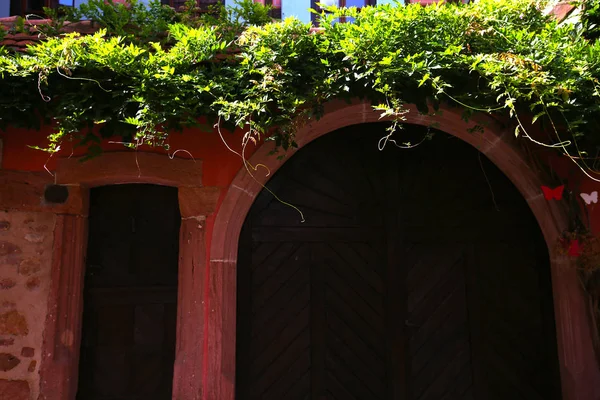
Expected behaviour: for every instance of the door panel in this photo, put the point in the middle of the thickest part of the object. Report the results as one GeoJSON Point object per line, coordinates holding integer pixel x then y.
{"type": "Point", "coordinates": [439, 341]}
{"type": "Point", "coordinates": [418, 275]}
{"type": "Point", "coordinates": [352, 299]}
{"type": "Point", "coordinates": [510, 306]}
{"type": "Point", "coordinates": [130, 294]}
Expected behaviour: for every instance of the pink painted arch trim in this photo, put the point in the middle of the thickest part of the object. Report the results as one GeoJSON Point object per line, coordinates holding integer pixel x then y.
{"type": "Point", "coordinates": [580, 375]}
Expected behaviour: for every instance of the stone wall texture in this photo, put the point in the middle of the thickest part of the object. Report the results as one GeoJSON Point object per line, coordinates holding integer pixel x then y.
{"type": "Point", "coordinates": [26, 240]}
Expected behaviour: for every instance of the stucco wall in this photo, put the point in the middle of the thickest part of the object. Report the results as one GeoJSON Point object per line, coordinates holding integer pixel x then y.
{"type": "Point", "coordinates": [25, 258]}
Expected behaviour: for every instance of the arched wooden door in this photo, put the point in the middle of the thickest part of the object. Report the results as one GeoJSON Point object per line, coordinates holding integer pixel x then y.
{"type": "Point", "coordinates": [418, 275]}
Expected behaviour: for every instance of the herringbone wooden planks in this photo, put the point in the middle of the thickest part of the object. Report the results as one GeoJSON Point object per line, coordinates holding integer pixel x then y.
{"type": "Point", "coordinates": [415, 277]}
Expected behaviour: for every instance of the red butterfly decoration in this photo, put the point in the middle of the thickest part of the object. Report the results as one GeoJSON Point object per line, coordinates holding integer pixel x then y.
{"type": "Point", "coordinates": [555, 193]}
{"type": "Point", "coordinates": [574, 248]}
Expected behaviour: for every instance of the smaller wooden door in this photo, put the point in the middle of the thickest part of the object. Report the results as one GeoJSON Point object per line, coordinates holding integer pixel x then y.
{"type": "Point", "coordinates": [130, 294]}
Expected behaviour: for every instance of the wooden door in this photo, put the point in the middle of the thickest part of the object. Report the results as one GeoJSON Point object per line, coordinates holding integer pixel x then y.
{"type": "Point", "coordinates": [130, 294]}
{"type": "Point", "coordinates": [418, 275]}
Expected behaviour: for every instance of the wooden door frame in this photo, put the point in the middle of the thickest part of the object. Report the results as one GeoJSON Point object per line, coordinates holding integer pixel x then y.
{"type": "Point", "coordinates": [62, 331]}
{"type": "Point", "coordinates": [580, 375]}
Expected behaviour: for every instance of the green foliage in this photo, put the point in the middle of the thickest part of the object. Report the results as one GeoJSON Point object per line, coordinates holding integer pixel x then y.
{"type": "Point", "coordinates": [134, 21]}
{"type": "Point", "coordinates": [19, 25]}
{"type": "Point", "coordinates": [58, 17]}
{"type": "Point", "coordinates": [245, 12]}
{"type": "Point", "coordinates": [590, 18]}
{"type": "Point", "coordinates": [240, 69]}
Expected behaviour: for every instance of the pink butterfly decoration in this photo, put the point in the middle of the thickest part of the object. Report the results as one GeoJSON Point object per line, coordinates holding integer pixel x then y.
{"type": "Point", "coordinates": [555, 193]}
{"type": "Point", "coordinates": [590, 198]}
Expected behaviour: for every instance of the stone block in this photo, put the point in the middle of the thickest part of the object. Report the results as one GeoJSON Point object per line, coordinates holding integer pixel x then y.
{"type": "Point", "coordinates": [32, 366]}
{"type": "Point", "coordinates": [25, 191]}
{"type": "Point", "coordinates": [14, 390]}
{"type": "Point", "coordinates": [30, 266]}
{"type": "Point", "coordinates": [8, 361]}
{"type": "Point", "coordinates": [33, 283]}
{"type": "Point", "coordinates": [28, 352]}
{"type": "Point", "coordinates": [12, 259]}
{"type": "Point", "coordinates": [195, 201]}
{"type": "Point", "coordinates": [13, 323]}
{"type": "Point", "coordinates": [35, 237]}
{"type": "Point", "coordinates": [7, 248]}
{"type": "Point", "coordinates": [7, 283]}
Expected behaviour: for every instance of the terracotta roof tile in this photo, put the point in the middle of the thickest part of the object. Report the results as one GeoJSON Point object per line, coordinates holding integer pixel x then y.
{"type": "Point", "coordinates": [25, 43]}
{"type": "Point", "coordinates": [20, 40]}
{"type": "Point", "coordinates": [9, 19]}
{"type": "Point", "coordinates": [84, 27]}
{"type": "Point", "coordinates": [561, 11]}
{"type": "Point", "coordinates": [23, 36]}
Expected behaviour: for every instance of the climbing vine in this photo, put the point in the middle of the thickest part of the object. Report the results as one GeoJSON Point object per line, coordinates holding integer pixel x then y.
{"type": "Point", "coordinates": [149, 71]}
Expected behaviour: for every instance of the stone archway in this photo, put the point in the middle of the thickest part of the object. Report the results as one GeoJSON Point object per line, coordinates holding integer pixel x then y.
{"type": "Point", "coordinates": [580, 376]}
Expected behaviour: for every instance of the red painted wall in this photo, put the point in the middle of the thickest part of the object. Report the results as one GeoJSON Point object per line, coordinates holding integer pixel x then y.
{"type": "Point", "coordinates": [221, 165]}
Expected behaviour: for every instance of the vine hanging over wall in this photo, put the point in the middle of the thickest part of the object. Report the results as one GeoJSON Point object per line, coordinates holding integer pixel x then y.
{"type": "Point", "coordinates": [150, 71]}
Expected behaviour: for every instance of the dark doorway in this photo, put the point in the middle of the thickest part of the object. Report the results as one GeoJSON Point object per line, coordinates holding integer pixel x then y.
{"type": "Point", "coordinates": [419, 274]}
{"type": "Point", "coordinates": [130, 294]}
